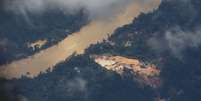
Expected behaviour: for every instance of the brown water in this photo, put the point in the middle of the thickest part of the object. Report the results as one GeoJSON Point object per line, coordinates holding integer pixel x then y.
{"type": "Point", "coordinates": [92, 33]}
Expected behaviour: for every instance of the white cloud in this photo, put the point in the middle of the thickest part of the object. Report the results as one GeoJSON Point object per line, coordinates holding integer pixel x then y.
{"type": "Point", "coordinates": [180, 40]}
{"type": "Point", "coordinates": [77, 85]}
{"type": "Point", "coordinates": [176, 41]}
{"type": "Point", "coordinates": [95, 8]}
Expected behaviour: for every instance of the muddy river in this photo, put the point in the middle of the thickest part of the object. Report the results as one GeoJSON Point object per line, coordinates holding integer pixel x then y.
{"type": "Point", "coordinates": [94, 32]}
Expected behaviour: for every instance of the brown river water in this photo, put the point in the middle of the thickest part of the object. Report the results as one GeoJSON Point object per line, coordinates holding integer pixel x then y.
{"type": "Point", "coordinates": [94, 32]}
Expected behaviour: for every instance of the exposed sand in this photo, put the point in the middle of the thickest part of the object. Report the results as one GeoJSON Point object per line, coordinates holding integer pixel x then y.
{"type": "Point", "coordinates": [38, 44]}
{"type": "Point", "coordinates": [144, 74]}
{"type": "Point", "coordinates": [92, 33]}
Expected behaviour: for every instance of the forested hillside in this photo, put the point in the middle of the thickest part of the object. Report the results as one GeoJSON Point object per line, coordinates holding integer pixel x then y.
{"type": "Point", "coordinates": [168, 37]}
